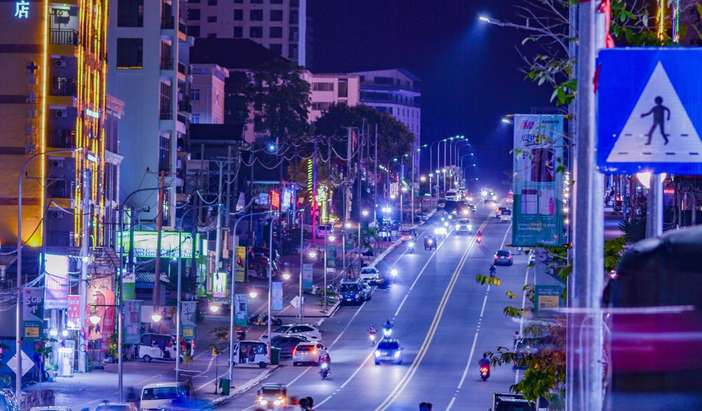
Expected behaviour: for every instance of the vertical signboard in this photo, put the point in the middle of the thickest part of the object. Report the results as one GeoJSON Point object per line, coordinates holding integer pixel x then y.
{"type": "Point", "coordinates": [539, 148]}
{"type": "Point", "coordinates": [128, 286]}
{"type": "Point", "coordinates": [187, 319]}
{"type": "Point", "coordinates": [56, 282]}
{"type": "Point", "coordinates": [277, 295]}
{"type": "Point", "coordinates": [240, 275]}
{"type": "Point", "coordinates": [241, 302]}
{"type": "Point", "coordinates": [132, 321]}
{"type": "Point", "coordinates": [307, 276]}
{"type": "Point", "coordinates": [219, 284]}
{"type": "Point", "coordinates": [32, 312]}
{"type": "Point", "coordinates": [73, 312]}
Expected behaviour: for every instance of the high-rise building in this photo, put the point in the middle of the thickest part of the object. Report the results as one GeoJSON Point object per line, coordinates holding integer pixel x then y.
{"type": "Point", "coordinates": [329, 89]}
{"type": "Point", "coordinates": [149, 70]}
{"type": "Point", "coordinates": [53, 105]}
{"type": "Point", "coordinates": [207, 93]}
{"type": "Point", "coordinates": [396, 92]}
{"type": "Point", "coordinates": [283, 26]}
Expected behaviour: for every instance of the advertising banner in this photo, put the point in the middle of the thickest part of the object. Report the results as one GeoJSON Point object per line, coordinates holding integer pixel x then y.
{"type": "Point", "coordinates": [32, 312]}
{"type": "Point", "coordinates": [242, 309]}
{"type": "Point", "coordinates": [331, 256]}
{"type": "Point", "coordinates": [547, 297]}
{"type": "Point", "coordinates": [539, 167]}
{"type": "Point", "coordinates": [187, 319]}
{"type": "Point", "coordinates": [307, 276]}
{"type": "Point", "coordinates": [128, 286]}
{"type": "Point", "coordinates": [219, 284]}
{"type": "Point", "coordinates": [145, 243]}
{"type": "Point", "coordinates": [277, 293]}
{"type": "Point", "coordinates": [101, 300]}
{"type": "Point", "coordinates": [240, 275]}
{"type": "Point", "coordinates": [132, 321]}
{"type": "Point", "coordinates": [56, 282]}
{"type": "Point", "coordinates": [73, 312]}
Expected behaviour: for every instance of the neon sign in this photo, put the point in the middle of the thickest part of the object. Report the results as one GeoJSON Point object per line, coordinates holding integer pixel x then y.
{"type": "Point", "coordinates": [22, 9]}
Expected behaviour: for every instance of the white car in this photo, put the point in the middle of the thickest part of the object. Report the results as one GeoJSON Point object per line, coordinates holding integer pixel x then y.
{"type": "Point", "coordinates": [308, 331]}
{"type": "Point", "coordinates": [371, 275]}
{"type": "Point", "coordinates": [156, 397]}
{"type": "Point", "coordinates": [308, 352]}
{"type": "Point", "coordinates": [440, 231]}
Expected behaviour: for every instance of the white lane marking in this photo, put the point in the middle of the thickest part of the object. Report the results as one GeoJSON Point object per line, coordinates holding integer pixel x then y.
{"type": "Point", "coordinates": [474, 344]}
{"type": "Point", "coordinates": [400, 306]}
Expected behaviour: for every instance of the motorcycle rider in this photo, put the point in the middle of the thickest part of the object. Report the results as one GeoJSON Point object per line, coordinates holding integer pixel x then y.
{"type": "Point", "coordinates": [387, 328]}
{"type": "Point", "coordinates": [485, 363]}
{"type": "Point", "coordinates": [479, 236]}
{"type": "Point", "coordinates": [372, 333]}
{"type": "Point", "coordinates": [324, 364]}
{"type": "Point", "coordinates": [493, 270]}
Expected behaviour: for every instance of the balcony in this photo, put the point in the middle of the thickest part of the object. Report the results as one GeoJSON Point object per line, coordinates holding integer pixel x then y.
{"type": "Point", "coordinates": [62, 86]}
{"type": "Point", "coordinates": [185, 106]}
{"type": "Point", "coordinates": [62, 138]}
{"type": "Point", "coordinates": [65, 37]}
{"type": "Point", "coordinates": [166, 62]}
{"type": "Point", "coordinates": [182, 68]}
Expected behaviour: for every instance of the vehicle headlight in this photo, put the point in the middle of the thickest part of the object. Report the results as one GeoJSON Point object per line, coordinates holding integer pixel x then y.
{"type": "Point", "coordinates": [278, 402]}
{"type": "Point", "coordinates": [396, 355]}
{"type": "Point", "coordinates": [411, 243]}
{"type": "Point", "coordinates": [263, 401]}
{"type": "Point", "coordinates": [377, 353]}
{"type": "Point", "coordinates": [458, 226]}
{"type": "Point", "coordinates": [470, 226]}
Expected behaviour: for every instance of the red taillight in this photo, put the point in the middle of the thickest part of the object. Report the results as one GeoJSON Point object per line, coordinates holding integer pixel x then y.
{"type": "Point", "coordinates": [294, 351]}
{"type": "Point", "coordinates": [483, 370]}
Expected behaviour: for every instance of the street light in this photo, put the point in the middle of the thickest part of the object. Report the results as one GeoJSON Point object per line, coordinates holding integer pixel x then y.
{"type": "Point", "coordinates": [365, 212]}
{"type": "Point", "coordinates": [215, 308]}
{"type": "Point", "coordinates": [156, 317]}
{"type": "Point", "coordinates": [286, 276]}
{"type": "Point", "coordinates": [312, 254]}
{"type": "Point", "coordinates": [253, 294]}
{"type": "Point", "coordinates": [484, 18]}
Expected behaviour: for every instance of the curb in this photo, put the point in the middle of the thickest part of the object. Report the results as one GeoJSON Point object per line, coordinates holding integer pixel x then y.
{"type": "Point", "coordinates": [333, 311]}
{"type": "Point", "coordinates": [245, 386]}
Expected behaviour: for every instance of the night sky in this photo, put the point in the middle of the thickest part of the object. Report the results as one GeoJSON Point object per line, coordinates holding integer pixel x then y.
{"type": "Point", "coordinates": [470, 71]}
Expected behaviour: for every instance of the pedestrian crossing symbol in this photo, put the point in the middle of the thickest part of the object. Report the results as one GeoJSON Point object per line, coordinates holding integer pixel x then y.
{"type": "Point", "coordinates": [644, 122]}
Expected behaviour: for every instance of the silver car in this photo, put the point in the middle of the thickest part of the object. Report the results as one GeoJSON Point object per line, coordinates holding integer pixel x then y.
{"type": "Point", "coordinates": [308, 353]}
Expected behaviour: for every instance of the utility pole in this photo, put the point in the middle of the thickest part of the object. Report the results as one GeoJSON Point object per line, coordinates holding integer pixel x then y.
{"type": "Point", "coordinates": [412, 188]}
{"type": "Point", "coordinates": [218, 235]}
{"type": "Point", "coordinates": [402, 180]}
{"type": "Point", "coordinates": [84, 260]}
{"type": "Point", "coordinates": [585, 352]}
{"type": "Point", "coordinates": [301, 311]}
{"type": "Point", "coordinates": [156, 303]}
{"type": "Point", "coordinates": [375, 175]}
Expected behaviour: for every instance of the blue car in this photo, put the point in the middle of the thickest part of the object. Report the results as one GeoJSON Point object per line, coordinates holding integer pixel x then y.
{"type": "Point", "coordinates": [388, 350]}
{"type": "Point", "coordinates": [354, 292]}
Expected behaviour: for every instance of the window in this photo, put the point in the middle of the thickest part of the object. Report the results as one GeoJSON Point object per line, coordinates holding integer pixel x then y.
{"type": "Point", "coordinates": [130, 53]}
{"type": "Point", "coordinates": [277, 49]}
{"type": "Point", "coordinates": [211, 2]}
{"type": "Point", "coordinates": [211, 19]}
{"type": "Point", "coordinates": [321, 106]}
{"type": "Point", "coordinates": [294, 31]}
{"type": "Point", "coordinates": [238, 32]}
{"type": "Point", "coordinates": [294, 16]}
{"type": "Point", "coordinates": [194, 14]}
{"type": "Point", "coordinates": [323, 86]}
{"type": "Point", "coordinates": [343, 88]}
{"type": "Point", "coordinates": [255, 32]}
{"type": "Point", "coordinates": [256, 15]}
{"type": "Point", "coordinates": [256, 1]}
{"type": "Point", "coordinates": [276, 15]}
{"type": "Point", "coordinates": [195, 119]}
{"type": "Point", "coordinates": [238, 14]}
{"type": "Point", "coordinates": [130, 13]}
{"type": "Point", "coordinates": [275, 32]}
{"type": "Point", "coordinates": [195, 94]}
{"type": "Point", "coordinates": [292, 51]}
{"type": "Point", "coordinates": [238, 1]}
{"type": "Point", "coordinates": [212, 35]}
{"type": "Point", "coordinates": [194, 1]}
{"type": "Point", "coordinates": [276, 1]}
{"type": "Point", "coordinates": [194, 31]}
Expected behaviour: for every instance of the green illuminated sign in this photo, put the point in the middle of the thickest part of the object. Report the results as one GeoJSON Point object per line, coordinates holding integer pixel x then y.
{"type": "Point", "coordinates": [145, 243]}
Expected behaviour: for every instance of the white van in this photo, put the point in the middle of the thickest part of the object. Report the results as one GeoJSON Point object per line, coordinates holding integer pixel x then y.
{"type": "Point", "coordinates": [159, 396]}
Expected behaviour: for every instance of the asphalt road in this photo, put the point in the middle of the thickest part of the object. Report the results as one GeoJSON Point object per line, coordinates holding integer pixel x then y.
{"type": "Point", "coordinates": [444, 320]}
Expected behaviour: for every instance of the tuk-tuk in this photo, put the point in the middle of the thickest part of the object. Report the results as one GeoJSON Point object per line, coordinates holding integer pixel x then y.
{"type": "Point", "coordinates": [251, 352]}
{"type": "Point", "coordinates": [429, 243]}
{"type": "Point", "coordinates": [157, 347]}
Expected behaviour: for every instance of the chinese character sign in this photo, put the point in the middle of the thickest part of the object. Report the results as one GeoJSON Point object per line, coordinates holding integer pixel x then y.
{"type": "Point", "coordinates": [22, 9]}
{"type": "Point", "coordinates": [539, 147]}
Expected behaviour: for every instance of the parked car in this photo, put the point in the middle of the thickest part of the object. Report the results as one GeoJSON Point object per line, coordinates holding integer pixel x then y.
{"type": "Point", "coordinates": [287, 343]}
{"type": "Point", "coordinates": [251, 352]}
{"type": "Point", "coordinates": [371, 275]}
{"type": "Point", "coordinates": [159, 396]}
{"type": "Point", "coordinates": [503, 257]}
{"type": "Point", "coordinates": [156, 347]}
{"type": "Point", "coordinates": [354, 292]}
{"type": "Point", "coordinates": [308, 353]}
{"type": "Point", "coordinates": [271, 396]}
{"type": "Point", "coordinates": [308, 331]}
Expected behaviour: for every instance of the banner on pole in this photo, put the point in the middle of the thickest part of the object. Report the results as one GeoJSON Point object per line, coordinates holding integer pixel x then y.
{"type": "Point", "coordinates": [187, 319]}
{"type": "Point", "coordinates": [277, 293]}
{"type": "Point", "coordinates": [241, 312]}
{"type": "Point", "coordinates": [73, 312]}
{"type": "Point", "coordinates": [56, 281]}
{"type": "Point", "coordinates": [539, 167]}
{"type": "Point", "coordinates": [32, 312]}
{"type": "Point", "coordinates": [240, 275]}
{"type": "Point", "coordinates": [307, 276]}
{"type": "Point", "coordinates": [219, 284]}
{"type": "Point", "coordinates": [132, 321]}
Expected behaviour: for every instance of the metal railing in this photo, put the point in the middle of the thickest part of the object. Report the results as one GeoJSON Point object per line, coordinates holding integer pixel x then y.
{"type": "Point", "coordinates": [68, 37]}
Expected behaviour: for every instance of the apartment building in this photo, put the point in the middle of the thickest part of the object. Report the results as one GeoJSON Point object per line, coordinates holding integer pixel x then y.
{"type": "Point", "coordinates": [207, 93]}
{"type": "Point", "coordinates": [329, 89]}
{"type": "Point", "coordinates": [52, 105]}
{"type": "Point", "coordinates": [149, 70]}
{"type": "Point", "coordinates": [282, 26]}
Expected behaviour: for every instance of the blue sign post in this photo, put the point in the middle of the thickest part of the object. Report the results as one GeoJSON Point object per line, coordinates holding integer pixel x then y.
{"type": "Point", "coordinates": [649, 114]}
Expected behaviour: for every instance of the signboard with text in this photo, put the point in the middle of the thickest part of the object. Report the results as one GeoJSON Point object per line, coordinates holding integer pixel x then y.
{"type": "Point", "coordinates": [277, 294]}
{"type": "Point", "coordinates": [539, 166]}
{"type": "Point", "coordinates": [32, 312]}
{"type": "Point", "coordinates": [132, 321]}
{"type": "Point", "coordinates": [56, 281]}
{"type": "Point", "coordinates": [307, 276]}
{"type": "Point", "coordinates": [547, 297]}
{"type": "Point", "coordinates": [145, 243]}
{"type": "Point", "coordinates": [241, 302]}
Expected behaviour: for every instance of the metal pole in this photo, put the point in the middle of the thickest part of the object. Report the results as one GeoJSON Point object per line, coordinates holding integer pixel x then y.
{"type": "Point", "coordinates": [218, 236]}
{"type": "Point", "coordinates": [375, 173]}
{"type": "Point", "coordinates": [120, 314]}
{"type": "Point", "coordinates": [178, 297]}
{"type": "Point", "coordinates": [270, 280]}
{"type": "Point", "coordinates": [300, 313]}
{"type": "Point", "coordinates": [343, 247]}
{"type": "Point", "coordinates": [654, 228]}
{"type": "Point", "coordinates": [585, 353]}
{"type": "Point", "coordinates": [18, 308]}
{"type": "Point", "coordinates": [325, 273]}
{"type": "Point", "coordinates": [412, 189]}
{"type": "Point", "coordinates": [402, 180]}
{"type": "Point", "coordinates": [83, 286]}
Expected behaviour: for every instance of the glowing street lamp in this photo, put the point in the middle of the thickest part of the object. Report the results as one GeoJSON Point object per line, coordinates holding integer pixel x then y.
{"type": "Point", "coordinates": [312, 253]}
{"type": "Point", "coordinates": [214, 308]}
{"type": "Point", "coordinates": [155, 317]}
{"type": "Point", "coordinates": [365, 212]}
{"type": "Point", "coordinates": [95, 319]}
{"type": "Point", "coordinates": [286, 276]}
{"type": "Point", "coordinates": [253, 294]}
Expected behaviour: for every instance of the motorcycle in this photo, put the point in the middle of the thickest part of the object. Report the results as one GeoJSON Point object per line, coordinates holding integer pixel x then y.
{"type": "Point", "coordinates": [484, 372]}
{"type": "Point", "coordinates": [387, 330]}
{"type": "Point", "coordinates": [394, 272]}
{"type": "Point", "coordinates": [324, 370]}
{"type": "Point", "coordinates": [479, 239]}
{"type": "Point", "coordinates": [410, 246]}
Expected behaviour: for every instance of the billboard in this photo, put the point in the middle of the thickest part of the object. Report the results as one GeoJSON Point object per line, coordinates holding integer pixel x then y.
{"type": "Point", "coordinates": [56, 281]}
{"type": "Point", "coordinates": [539, 166]}
{"type": "Point", "coordinates": [32, 312]}
{"type": "Point", "coordinates": [145, 243]}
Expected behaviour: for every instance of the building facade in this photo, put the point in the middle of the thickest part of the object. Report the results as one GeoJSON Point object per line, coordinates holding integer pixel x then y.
{"type": "Point", "coordinates": [329, 89]}
{"type": "Point", "coordinates": [207, 93]}
{"type": "Point", "coordinates": [283, 26]}
{"type": "Point", "coordinates": [53, 103]}
{"type": "Point", "coordinates": [396, 92]}
{"type": "Point", "coordinates": [149, 70]}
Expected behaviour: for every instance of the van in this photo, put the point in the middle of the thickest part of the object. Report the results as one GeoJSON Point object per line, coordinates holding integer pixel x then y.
{"type": "Point", "coordinates": [157, 347]}
{"type": "Point", "coordinates": [251, 352]}
{"type": "Point", "coordinates": [155, 397]}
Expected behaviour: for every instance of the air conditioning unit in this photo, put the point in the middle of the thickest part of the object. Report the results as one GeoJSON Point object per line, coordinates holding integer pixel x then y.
{"type": "Point", "coordinates": [60, 62]}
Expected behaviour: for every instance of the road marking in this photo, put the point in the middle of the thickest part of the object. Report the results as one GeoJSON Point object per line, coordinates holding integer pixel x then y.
{"type": "Point", "coordinates": [432, 329]}
{"type": "Point", "coordinates": [475, 338]}
{"type": "Point", "coordinates": [400, 306]}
